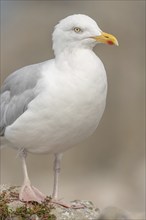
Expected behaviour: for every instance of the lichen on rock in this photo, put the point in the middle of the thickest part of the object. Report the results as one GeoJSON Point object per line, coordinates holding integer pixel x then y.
{"type": "Point", "coordinates": [11, 208]}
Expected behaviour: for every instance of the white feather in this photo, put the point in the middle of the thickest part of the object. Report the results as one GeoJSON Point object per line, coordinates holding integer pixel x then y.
{"type": "Point", "coordinates": [70, 94]}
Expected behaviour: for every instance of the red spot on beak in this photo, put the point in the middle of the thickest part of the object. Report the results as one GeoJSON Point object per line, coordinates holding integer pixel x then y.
{"type": "Point", "coordinates": [110, 42]}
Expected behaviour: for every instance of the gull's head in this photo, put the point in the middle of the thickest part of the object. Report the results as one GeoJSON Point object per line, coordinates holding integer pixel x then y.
{"type": "Point", "coordinates": [78, 31]}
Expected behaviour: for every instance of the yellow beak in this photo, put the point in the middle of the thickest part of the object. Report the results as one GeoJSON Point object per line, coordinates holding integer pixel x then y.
{"type": "Point", "coordinates": [106, 39]}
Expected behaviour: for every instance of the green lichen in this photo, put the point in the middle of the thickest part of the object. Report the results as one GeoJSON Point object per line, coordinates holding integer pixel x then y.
{"type": "Point", "coordinates": [27, 210]}
{"type": "Point", "coordinates": [4, 211]}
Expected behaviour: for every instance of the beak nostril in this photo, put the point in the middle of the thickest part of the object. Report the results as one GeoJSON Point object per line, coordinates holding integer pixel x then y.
{"type": "Point", "coordinates": [106, 37]}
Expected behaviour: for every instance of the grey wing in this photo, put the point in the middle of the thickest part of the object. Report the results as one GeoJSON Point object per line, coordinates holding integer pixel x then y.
{"type": "Point", "coordinates": [16, 93]}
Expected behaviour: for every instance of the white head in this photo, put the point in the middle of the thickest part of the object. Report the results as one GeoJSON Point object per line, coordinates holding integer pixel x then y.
{"type": "Point", "coordinates": [79, 31]}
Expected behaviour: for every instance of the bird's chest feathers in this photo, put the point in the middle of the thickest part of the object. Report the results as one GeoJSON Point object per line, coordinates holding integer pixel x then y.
{"type": "Point", "coordinates": [74, 90]}
{"type": "Point", "coordinates": [81, 77]}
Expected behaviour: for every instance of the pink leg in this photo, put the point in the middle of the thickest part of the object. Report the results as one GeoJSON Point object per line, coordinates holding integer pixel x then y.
{"type": "Point", "coordinates": [29, 192]}
{"type": "Point", "coordinates": [57, 168]}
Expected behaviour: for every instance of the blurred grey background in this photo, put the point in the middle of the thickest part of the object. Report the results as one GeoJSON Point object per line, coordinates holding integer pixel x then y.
{"type": "Point", "coordinates": [108, 168]}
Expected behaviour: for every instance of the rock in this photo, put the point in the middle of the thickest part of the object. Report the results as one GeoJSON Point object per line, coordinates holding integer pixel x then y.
{"type": "Point", "coordinates": [87, 212]}
{"type": "Point", "coordinates": [11, 208]}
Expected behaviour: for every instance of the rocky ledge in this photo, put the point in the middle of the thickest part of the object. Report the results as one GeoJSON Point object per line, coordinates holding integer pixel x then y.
{"type": "Point", "coordinates": [11, 208]}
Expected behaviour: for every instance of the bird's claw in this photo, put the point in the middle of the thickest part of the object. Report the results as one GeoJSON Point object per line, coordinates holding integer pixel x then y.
{"type": "Point", "coordinates": [30, 193]}
{"type": "Point", "coordinates": [65, 205]}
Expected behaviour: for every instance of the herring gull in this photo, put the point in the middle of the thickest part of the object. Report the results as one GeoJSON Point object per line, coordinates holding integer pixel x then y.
{"type": "Point", "coordinates": [51, 106]}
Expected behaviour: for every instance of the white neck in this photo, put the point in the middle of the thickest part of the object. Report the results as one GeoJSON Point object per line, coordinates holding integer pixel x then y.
{"type": "Point", "coordinates": [69, 47]}
{"type": "Point", "coordinates": [82, 62]}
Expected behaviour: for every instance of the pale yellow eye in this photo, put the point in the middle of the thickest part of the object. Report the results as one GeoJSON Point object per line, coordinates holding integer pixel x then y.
{"type": "Point", "coordinates": [77, 30]}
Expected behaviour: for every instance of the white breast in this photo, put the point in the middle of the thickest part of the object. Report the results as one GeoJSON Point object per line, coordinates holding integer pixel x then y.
{"type": "Point", "coordinates": [66, 111]}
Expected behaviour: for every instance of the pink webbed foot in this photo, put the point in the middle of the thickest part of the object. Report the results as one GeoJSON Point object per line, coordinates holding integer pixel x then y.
{"type": "Point", "coordinates": [30, 193]}
{"type": "Point", "coordinates": [65, 205]}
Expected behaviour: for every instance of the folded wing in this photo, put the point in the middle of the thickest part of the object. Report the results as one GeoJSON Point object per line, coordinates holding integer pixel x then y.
{"type": "Point", "coordinates": [16, 93]}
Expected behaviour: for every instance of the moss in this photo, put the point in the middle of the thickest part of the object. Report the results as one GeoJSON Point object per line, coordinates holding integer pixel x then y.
{"type": "Point", "coordinates": [27, 210]}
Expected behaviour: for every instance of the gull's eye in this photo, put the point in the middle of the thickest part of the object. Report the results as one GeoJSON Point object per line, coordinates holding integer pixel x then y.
{"type": "Point", "coordinates": [77, 29]}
